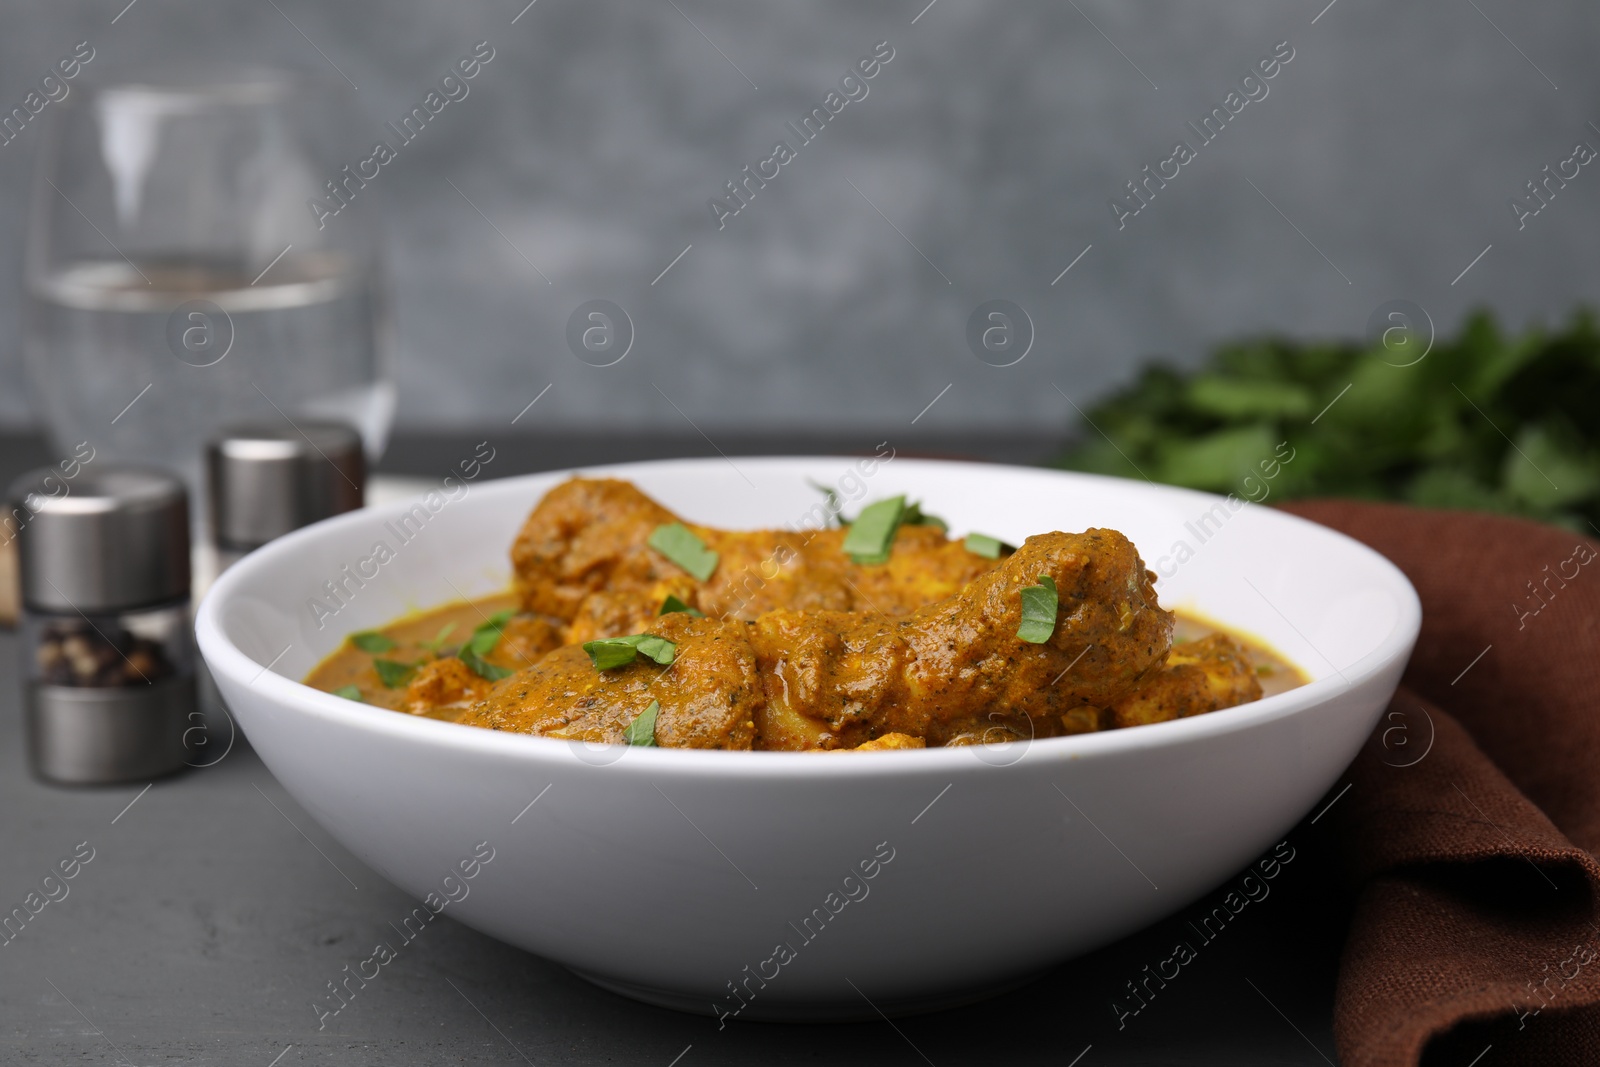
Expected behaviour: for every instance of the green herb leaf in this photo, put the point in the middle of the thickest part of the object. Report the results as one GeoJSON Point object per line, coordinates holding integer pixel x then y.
{"type": "Point", "coordinates": [483, 640]}
{"type": "Point", "coordinates": [915, 516]}
{"type": "Point", "coordinates": [1232, 397]}
{"type": "Point", "coordinates": [438, 640]}
{"type": "Point", "coordinates": [872, 534]}
{"type": "Point", "coordinates": [1039, 603]}
{"type": "Point", "coordinates": [349, 692]}
{"type": "Point", "coordinates": [482, 667]}
{"type": "Point", "coordinates": [609, 652]}
{"type": "Point", "coordinates": [642, 731]}
{"type": "Point", "coordinates": [372, 641]}
{"type": "Point", "coordinates": [485, 637]}
{"type": "Point", "coordinates": [1459, 429]}
{"type": "Point", "coordinates": [987, 547]}
{"type": "Point", "coordinates": [831, 501]}
{"type": "Point", "coordinates": [658, 648]}
{"type": "Point", "coordinates": [673, 604]}
{"type": "Point", "coordinates": [393, 673]}
{"type": "Point", "coordinates": [682, 546]}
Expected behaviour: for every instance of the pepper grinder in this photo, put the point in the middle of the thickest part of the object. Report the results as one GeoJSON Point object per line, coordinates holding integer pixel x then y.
{"type": "Point", "coordinates": [109, 660]}
{"type": "Point", "coordinates": [265, 481]}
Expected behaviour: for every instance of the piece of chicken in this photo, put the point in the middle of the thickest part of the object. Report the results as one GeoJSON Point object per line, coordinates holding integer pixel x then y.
{"type": "Point", "coordinates": [951, 672]}
{"type": "Point", "coordinates": [709, 696]}
{"type": "Point", "coordinates": [524, 639]}
{"type": "Point", "coordinates": [448, 682]}
{"type": "Point", "coordinates": [444, 683]}
{"type": "Point", "coordinates": [582, 557]}
{"type": "Point", "coordinates": [1200, 676]}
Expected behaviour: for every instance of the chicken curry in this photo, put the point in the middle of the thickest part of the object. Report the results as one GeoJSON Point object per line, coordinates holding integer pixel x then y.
{"type": "Point", "coordinates": [627, 625]}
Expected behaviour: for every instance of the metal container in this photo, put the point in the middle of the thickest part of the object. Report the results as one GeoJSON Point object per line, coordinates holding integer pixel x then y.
{"type": "Point", "coordinates": [107, 645]}
{"type": "Point", "coordinates": [264, 481]}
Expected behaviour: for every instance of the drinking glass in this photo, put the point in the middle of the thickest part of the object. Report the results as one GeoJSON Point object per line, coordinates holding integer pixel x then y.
{"type": "Point", "coordinates": [179, 278]}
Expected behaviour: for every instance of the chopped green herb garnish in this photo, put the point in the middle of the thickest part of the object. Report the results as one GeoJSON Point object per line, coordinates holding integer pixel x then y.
{"type": "Point", "coordinates": [373, 641]}
{"type": "Point", "coordinates": [487, 636]}
{"type": "Point", "coordinates": [658, 648]}
{"type": "Point", "coordinates": [682, 546]}
{"type": "Point", "coordinates": [349, 692]}
{"type": "Point", "coordinates": [482, 667]}
{"type": "Point", "coordinates": [393, 673]}
{"type": "Point", "coordinates": [831, 501]}
{"type": "Point", "coordinates": [1039, 603]}
{"type": "Point", "coordinates": [438, 639]}
{"type": "Point", "coordinates": [1265, 668]}
{"type": "Point", "coordinates": [915, 516]}
{"type": "Point", "coordinates": [642, 731]}
{"type": "Point", "coordinates": [873, 532]}
{"type": "Point", "coordinates": [987, 547]}
{"type": "Point", "coordinates": [609, 652]}
{"type": "Point", "coordinates": [672, 604]}
{"type": "Point", "coordinates": [483, 640]}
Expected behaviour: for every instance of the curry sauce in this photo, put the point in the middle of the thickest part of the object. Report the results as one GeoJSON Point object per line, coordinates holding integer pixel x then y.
{"type": "Point", "coordinates": [437, 633]}
{"type": "Point", "coordinates": [628, 625]}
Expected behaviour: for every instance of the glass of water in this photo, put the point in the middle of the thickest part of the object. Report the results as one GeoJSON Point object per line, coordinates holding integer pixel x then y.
{"type": "Point", "coordinates": [201, 254]}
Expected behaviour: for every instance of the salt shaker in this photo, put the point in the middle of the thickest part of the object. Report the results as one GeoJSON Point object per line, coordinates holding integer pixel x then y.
{"type": "Point", "coordinates": [109, 660]}
{"type": "Point", "coordinates": [264, 481]}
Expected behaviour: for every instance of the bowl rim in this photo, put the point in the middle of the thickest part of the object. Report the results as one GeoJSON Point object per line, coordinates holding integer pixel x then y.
{"type": "Point", "coordinates": [225, 658]}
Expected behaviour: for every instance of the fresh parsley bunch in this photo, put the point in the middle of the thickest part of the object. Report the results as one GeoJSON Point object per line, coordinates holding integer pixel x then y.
{"type": "Point", "coordinates": [1484, 421]}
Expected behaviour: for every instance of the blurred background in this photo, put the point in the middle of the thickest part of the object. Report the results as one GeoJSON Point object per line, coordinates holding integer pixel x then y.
{"type": "Point", "coordinates": [980, 165]}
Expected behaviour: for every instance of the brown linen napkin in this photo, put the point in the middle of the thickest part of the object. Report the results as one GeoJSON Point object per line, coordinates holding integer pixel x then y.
{"type": "Point", "coordinates": [1476, 922]}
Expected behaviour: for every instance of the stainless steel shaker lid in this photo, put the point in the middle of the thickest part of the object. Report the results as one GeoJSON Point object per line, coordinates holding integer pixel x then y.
{"type": "Point", "coordinates": [110, 539]}
{"type": "Point", "coordinates": [267, 480]}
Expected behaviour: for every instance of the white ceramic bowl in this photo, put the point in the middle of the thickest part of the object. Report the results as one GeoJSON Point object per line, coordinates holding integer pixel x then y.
{"type": "Point", "coordinates": [675, 876]}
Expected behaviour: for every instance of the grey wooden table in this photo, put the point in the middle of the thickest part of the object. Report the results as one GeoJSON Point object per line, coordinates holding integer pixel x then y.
{"type": "Point", "coordinates": [215, 910]}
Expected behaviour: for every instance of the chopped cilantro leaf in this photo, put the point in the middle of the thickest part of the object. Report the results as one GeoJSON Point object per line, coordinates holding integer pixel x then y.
{"type": "Point", "coordinates": [487, 636]}
{"type": "Point", "coordinates": [987, 547]}
{"type": "Point", "coordinates": [393, 673]}
{"type": "Point", "coordinates": [438, 639]}
{"type": "Point", "coordinates": [915, 516]}
{"type": "Point", "coordinates": [482, 667]}
{"type": "Point", "coordinates": [1039, 603]}
{"type": "Point", "coordinates": [831, 501]}
{"type": "Point", "coordinates": [682, 546]}
{"type": "Point", "coordinates": [349, 692]}
{"type": "Point", "coordinates": [373, 641]}
{"type": "Point", "coordinates": [672, 604]}
{"type": "Point", "coordinates": [872, 534]}
{"type": "Point", "coordinates": [483, 640]}
{"type": "Point", "coordinates": [609, 652]}
{"type": "Point", "coordinates": [642, 731]}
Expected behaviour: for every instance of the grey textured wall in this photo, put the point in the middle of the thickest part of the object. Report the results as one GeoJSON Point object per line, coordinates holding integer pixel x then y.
{"type": "Point", "coordinates": [992, 143]}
